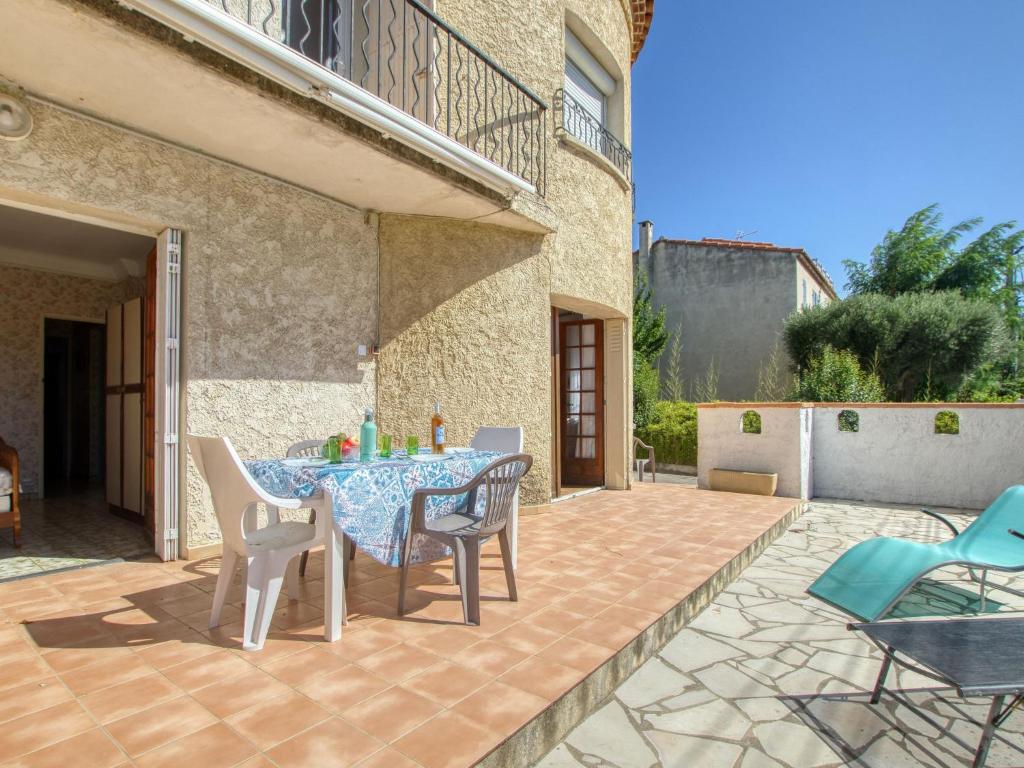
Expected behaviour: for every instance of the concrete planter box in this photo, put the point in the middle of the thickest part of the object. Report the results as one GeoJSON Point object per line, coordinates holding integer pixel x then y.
{"type": "Point", "coordinates": [736, 481]}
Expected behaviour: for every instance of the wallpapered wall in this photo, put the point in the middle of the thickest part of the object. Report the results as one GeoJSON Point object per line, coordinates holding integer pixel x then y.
{"type": "Point", "coordinates": [26, 298]}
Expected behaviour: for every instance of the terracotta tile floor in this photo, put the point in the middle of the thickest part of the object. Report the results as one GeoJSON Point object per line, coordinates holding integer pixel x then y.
{"type": "Point", "coordinates": [114, 665]}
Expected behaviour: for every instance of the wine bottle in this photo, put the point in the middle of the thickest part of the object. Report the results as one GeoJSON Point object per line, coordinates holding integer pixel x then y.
{"type": "Point", "coordinates": [437, 430]}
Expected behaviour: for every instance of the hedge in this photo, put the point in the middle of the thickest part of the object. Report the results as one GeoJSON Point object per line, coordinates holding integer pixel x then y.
{"type": "Point", "coordinates": [673, 433]}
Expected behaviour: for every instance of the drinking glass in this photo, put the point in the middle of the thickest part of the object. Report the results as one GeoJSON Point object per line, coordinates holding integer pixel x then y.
{"type": "Point", "coordinates": [385, 446]}
{"type": "Point", "coordinates": [412, 445]}
{"type": "Point", "coordinates": [333, 450]}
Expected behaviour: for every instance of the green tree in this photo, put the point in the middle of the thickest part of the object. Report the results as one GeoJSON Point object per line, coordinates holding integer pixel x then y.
{"type": "Point", "coordinates": [917, 343]}
{"type": "Point", "coordinates": [672, 431]}
{"type": "Point", "coordinates": [771, 384]}
{"type": "Point", "coordinates": [924, 257]}
{"type": "Point", "coordinates": [910, 259]}
{"type": "Point", "coordinates": [835, 376]}
{"type": "Point", "coordinates": [705, 388]}
{"type": "Point", "coordinates": [649, 339]}
{"type": "Point", "coordinates": [672, 387]}
{"type": "Point", "coordinates": [649, 333]}
{"type": "Point", "coordinates": [645, 392]}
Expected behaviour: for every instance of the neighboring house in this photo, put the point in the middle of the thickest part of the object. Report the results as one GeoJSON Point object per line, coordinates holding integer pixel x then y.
{"type": "Point", "coordinates": [291, 185]}
{"type": "Point", "coordinates": [731, 299]}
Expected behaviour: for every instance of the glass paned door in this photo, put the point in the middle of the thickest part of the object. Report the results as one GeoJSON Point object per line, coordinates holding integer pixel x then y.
{"type": "Point", "coordinates": [582, 417]}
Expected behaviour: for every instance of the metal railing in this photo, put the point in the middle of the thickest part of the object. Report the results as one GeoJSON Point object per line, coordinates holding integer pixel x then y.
{"type": "Point", "coordinates": [588, 130]}
{"type": "Point", "coordinates": [401, 52]}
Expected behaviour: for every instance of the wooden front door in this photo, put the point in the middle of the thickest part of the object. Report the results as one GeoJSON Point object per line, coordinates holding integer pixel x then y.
{"type": "Point", "coordinates": [581, 360]}
{"type": "Point", "coordinates": [124, 410]}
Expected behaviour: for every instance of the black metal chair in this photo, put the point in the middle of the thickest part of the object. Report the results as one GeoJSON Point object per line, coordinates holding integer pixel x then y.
{"type": "Point", "coordinates": [466, 529]}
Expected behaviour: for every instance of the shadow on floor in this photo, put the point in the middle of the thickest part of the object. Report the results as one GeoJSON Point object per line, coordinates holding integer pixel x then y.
{"type": "Point", "coordinates": [860, 732]}
{"type": "Point", "coordinates": [936, 598]}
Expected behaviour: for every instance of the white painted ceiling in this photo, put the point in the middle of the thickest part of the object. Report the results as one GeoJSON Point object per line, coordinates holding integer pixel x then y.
{"type": "Point", "coordinates": [37, 241]}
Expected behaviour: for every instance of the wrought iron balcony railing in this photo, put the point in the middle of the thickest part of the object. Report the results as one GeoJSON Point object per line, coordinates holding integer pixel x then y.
{"type": "Point", "coordinates": [401, 52]}
{"type": "Point", "coordinates": [587, 129]}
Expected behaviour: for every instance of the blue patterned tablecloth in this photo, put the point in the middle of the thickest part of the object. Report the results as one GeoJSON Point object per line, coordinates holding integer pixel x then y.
{"type": "Point", "coordinates": [372, 500]}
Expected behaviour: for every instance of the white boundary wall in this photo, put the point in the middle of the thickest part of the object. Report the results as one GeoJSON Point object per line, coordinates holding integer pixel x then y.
{"type": "Point", "coordinates": [783, 446]}
{"type": "Point", "coordinates": [895, 456]}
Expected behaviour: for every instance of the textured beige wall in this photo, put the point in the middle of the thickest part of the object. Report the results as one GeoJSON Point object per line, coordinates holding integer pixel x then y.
{"type": "Point", "coordinates": [591, 250]}
{"type": "Point", "coordinates": [465, 295]}
{"type": "Point", "coordinates": [464, 312]}
{"type": "Point", "coordinates": [27, 297]}
{"type": "Point", "coordinates": [280, 284]}
{"type": "Point", "coordinates": [464, 319]}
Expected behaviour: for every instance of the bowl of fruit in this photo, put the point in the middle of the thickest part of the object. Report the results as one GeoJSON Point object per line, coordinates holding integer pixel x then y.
{"type": "Point", "coordinates": [340, 447]}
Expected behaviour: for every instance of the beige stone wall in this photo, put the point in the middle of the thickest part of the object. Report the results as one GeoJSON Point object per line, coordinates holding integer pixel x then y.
{"type": "Point", "coordinates": [591, 250]}
{"type": "Point", "coordinates": [27, 297]}
{"type": "Point", "coordinates": [280, 285]}
{"type": "Point", "coordinates": [477, 299]}
{"type": "Point", "coordinates": [464, 319]}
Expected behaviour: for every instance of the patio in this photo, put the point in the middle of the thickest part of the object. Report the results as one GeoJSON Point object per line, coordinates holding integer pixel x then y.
{"type": "Point", "coordinates": [769, 677]}
{"type": "Point", "coordinates": [115, 665]}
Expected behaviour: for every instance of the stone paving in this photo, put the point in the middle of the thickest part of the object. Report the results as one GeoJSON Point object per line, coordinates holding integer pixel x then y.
{"type": "Point", "coordinates": [769, 677]}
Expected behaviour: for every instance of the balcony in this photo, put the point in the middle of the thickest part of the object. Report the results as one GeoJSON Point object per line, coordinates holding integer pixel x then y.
{"type": "Point", "coordinates": [405, 55]}
{"type": "Point", "coordinates": [375, 103]}
{"type": "Point", "coordinates": [583, 128]}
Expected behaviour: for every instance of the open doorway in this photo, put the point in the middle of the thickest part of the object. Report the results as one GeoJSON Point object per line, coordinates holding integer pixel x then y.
{"type": "Point", "coordinates": [579, 405]}
{"type": "Point", "coordinates": [73, 407]}
{"type": "Point", "coordinates": [63, 281]}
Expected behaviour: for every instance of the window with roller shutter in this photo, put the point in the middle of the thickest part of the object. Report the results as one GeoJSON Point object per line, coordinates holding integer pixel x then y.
{"type": "Point", "coordinates": [587, 88]}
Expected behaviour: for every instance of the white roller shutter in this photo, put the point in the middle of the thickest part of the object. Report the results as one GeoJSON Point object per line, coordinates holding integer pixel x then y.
{"type": "Point", "coordinates": [584, 92]}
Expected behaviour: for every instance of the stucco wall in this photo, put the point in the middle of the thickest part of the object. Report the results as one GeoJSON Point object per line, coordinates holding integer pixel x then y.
{"type": "Point", "coordinates": [590, 251]}
{"type": "Point", "coordinates": [896, 456]}
{"type": "Point", "coordinates": [280, 285]}
{"type": "Point", "coordinates": [584, 265]}
{"type": "Point", "coordinates": [464, 320]}
{"type": "Point", "coordinates": [783, 445]}
{"type": "Point", "coordinates": [27, 297]}
{"type": "Point", "coordinates": [731, 305]}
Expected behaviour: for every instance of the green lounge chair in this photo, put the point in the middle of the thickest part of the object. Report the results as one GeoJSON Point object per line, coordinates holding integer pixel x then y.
{"type": "Point", "coordinates": [870, 578]}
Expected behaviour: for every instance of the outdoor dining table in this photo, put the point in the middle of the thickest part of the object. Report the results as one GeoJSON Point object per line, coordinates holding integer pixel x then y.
{"type": "Point", "coordinates": [371, 503]}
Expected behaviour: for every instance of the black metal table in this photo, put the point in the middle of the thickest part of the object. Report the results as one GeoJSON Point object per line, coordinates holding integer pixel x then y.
{"type": "Point", "coordinates": [978, 657]}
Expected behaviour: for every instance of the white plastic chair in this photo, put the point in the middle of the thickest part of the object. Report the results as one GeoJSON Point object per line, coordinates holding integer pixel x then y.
{"type": "Point", "coordinates": [270, 552]}
{"type": "Point", "coordinates": [311, 448]}
{"type": "Point", "coordinates": [505, 440]}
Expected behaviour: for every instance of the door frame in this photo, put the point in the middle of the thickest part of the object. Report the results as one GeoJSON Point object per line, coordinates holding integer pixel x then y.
{"type": "Point", "coordinates": [600, 433]}
{"type": "Point", "coordinates": [169, 511]}
{"type": "Point", "coordinates": [556, 406]}
{"type": "Point", "coordinates": [169, 458]}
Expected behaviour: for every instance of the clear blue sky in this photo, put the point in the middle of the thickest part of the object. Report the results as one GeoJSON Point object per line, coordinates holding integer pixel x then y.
{"type": "Point", "coordinates": [822, 124]}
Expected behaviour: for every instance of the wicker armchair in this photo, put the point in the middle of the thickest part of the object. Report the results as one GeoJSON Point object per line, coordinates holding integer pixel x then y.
{"type": "Point", "coordinates": [10, 511]}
